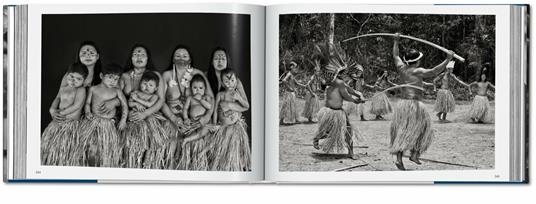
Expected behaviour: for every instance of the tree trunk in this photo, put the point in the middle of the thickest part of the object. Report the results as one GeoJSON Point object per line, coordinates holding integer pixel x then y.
{"type": "Point", "coordinates": [331, 34]}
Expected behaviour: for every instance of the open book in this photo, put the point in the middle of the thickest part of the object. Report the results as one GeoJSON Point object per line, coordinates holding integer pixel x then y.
{"type": "Point", "coordinates": [246, 93]}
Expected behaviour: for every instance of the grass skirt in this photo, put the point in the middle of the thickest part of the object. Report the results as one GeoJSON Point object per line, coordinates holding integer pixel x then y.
{"type": "Point", "coordinates": [60, 144]}
{"type": "Point", "coordinates": [288, 112]}
{"type": "Point", "coordinates": [444, 101]}
{"type": "Point", "coordinates": [101, 142]}
{"type": "Point", "coordinates": [480, 109]}
{"type": "Point", "coordinates": [172, 146]}
{"type": "Point", "coordinates": [229, 150]}
{"type": "Point", "coordinates": [380, 104]}
{"type": "Point", "coordinates": [411, 128]}
{"type": "Point", "coordinates": [312, 106]}
{"type": "Point", "coordinates": [193, 154]}
{"type": "Point", "coordinates": [144, 141]}
{"type": "Point", "coordinates": [350, 107]}
{"type": "Point", "coordinates": [336, 130]}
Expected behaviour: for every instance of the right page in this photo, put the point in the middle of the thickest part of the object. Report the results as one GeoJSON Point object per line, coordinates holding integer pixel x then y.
{"type": "Point", "coordinates": [387, 93]}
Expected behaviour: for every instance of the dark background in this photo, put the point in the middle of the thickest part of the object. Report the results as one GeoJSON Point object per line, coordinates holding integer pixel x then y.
{"type": "Point", "coordinates": [115, 34]}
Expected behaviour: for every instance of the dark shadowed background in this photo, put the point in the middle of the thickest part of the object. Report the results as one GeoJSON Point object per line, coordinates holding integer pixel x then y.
{"type": "Point", "coordinates": [115, 34]}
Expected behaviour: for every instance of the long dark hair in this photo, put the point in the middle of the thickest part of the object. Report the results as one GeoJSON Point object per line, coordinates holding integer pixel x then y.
{"type": "Point", "coordinates": [98, 65]}
{"type": "Point", "coordinates": [211, 73]}
{"type": "Point", "coordinates": [129, 66]}
{"type": "Point", "coordinates": [180, 46]}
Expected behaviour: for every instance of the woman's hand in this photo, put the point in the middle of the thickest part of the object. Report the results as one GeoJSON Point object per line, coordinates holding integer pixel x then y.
{"type": "Point", "coordinates": [56, 115]}
{"type": "Point", "coordinates": [137, 116]}
{"type": "Point", "coordinates": [106, 107]}
{"type": "Point", "coordinates": [225, 106]}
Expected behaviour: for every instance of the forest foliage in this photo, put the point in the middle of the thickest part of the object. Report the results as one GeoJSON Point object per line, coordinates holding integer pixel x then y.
{"type": "Point", "coordinates": [470, 36]}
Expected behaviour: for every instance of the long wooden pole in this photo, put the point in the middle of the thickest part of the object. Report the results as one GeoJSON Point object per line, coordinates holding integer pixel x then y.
{"type": "Point", "coordinates": [408, 37]}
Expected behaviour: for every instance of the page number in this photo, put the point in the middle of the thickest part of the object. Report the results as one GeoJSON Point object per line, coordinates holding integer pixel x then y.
{"type": "Point", "coordinates": [497, 176]}
{"type": "Point", "coordinates": [38, 172]}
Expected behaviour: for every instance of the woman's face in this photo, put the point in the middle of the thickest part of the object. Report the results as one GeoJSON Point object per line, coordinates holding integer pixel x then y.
{"type": "Point", "coordinates": [220, 60]}
{"type": "Point", "coordinates": [139, 57]}
{"type": "Point", "coordinates": [88, 55]}
{"type": "Point", "coordinates": [181, 57]}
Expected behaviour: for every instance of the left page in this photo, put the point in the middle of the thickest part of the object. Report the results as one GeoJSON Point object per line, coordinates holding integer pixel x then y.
{"type": "Point", "coordinates": [136, 93]}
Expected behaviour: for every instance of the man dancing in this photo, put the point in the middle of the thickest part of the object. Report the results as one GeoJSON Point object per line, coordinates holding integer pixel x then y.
{"type": "Point", "coordinates": [411, 127]}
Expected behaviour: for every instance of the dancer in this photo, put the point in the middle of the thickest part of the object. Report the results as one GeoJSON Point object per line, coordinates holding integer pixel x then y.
{"type": "Point", "coordinates": [312, 101]}
{"type": "Point", "coordinates": [59, 142]}
{"type": "Point", "coordinates": [380, 104]}
{"type": "Point", "coordinates": [334, 126]}
{"type": "Point", "coordinates": [355, 85]}
{"type": "Point", "coordinates": [445, 102]}
{"type": "Point", "coordinates": [288, 112]}
{"type": "Point", "coordinates": [411, 127]}
{"type": "Point", "coordinates": [479, 111]}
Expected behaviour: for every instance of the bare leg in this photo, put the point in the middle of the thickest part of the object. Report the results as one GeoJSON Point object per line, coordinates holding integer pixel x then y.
{"type": "Point", "coordinates": [350, 145]}
{"type": "Point", "coordinates": [415, 157]}
{"type": "Point", "coordinates": [398, 163]}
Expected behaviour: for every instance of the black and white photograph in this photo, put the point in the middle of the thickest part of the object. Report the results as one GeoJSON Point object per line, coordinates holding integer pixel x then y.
{"type": "Point", "coordinates": [146, 91]}
{"type": "Point", "coordinates": [386, 92]}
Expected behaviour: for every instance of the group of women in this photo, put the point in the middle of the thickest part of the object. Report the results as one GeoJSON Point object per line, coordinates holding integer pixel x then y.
{"type": "Point", "coordinates": [215, 139]}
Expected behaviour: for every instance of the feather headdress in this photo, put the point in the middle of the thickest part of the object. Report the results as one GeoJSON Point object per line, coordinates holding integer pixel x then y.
{"type": "Point", "coordinates": [337, 60]}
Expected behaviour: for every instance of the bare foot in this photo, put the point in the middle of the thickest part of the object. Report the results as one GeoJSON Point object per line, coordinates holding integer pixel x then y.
{"type": "Point", "coordinates": [400, 166]}
{"type": "Point", "coordinates": [415, 160]}
{"type": "Point", "coordinates": [363, 118]}
{"type": "Point", "coordinates": [315, 144]}
{"type": "Point", "coordinates": [353, 156]}
{"type": "Point", "coordinates": [438, 115]}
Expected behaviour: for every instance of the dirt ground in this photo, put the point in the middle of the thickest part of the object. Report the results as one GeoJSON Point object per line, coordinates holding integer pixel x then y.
{"type": "Point", "coordinates": [456, 145]}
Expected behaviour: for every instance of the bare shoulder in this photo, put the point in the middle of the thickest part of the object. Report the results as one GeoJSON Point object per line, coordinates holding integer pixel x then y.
{"type": "Point", "coordinates": [197, 71]}
{"type": "Point", "coordinates": [166, 75]}
{"type": "Point", "coordinates": [158, 73]}
{"type": "Point", "coordinates": [339, 83]}
{"type": "Point", "coordinates": [125, 75]}
{"type": "Point", "coordinates": [81, 89]}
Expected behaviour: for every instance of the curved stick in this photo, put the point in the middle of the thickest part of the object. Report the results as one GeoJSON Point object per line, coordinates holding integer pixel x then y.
{"type": "Point", "coordinates": [408, 37]}
{"type": "Point", "coordinates": [403, 86]}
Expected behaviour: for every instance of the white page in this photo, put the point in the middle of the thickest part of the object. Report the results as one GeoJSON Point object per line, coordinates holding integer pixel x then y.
{"type": "Point", "coordinates": [256, 18]}
{"type": "Point", "coordinates": [500, 172]}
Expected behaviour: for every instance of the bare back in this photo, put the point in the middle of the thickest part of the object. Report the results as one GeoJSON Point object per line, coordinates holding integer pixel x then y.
{"type": "Point", "coordinates": [408, 76]}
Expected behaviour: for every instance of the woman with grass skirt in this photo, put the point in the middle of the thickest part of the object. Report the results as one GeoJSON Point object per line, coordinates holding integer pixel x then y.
{"type": "Point", "coordinates": [144, 135]}
{"type": "Point", "coordinates": [480, 109]}
{"type": "Point", "coordinates": [380, 104]}
{"type": "Point", "coordinates": [445, 102]}
{"type": "Point", "coordinates": [177, 79]}
{"type": "Point", "coordinates": [312, 101]}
